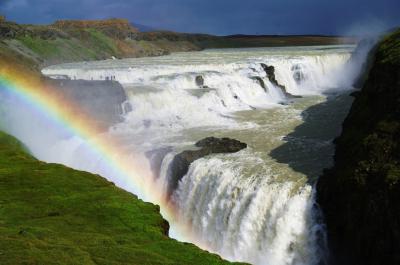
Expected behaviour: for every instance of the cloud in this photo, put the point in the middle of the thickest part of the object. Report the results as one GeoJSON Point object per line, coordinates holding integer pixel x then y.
{"type": "Point", "coordinates": [8, 5]}
{"type": "Point", "coordinates": [215, 16]}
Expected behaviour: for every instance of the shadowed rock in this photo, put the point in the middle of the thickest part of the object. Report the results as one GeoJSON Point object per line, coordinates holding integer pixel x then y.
{"type": "Point", "coordinates": [199, 81]}
{"type": "Point", "coordinates": [210, 145]}
{"type": "Point", "coordinates": [261, 82]}
{"type": "Point", "coordinates": [360, 194]}
{"type": "Point", "coordinates": [270, 71]}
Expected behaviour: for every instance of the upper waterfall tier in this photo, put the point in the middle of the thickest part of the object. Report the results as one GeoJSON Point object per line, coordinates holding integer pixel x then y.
{"type": "Point", "coordinates": [301, 70]}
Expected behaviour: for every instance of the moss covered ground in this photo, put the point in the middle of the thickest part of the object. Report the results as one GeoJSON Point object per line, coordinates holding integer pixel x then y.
{"type": "Point", "coordinates": [51, 214]}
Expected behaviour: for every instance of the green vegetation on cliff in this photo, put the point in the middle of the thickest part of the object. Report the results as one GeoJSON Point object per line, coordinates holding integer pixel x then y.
{"type": "Point", "coordinates": [50, 214]}
{"type": "Point", "coordinates": [68, 41]}
{"type": "Point", "coordinates": [81, 40]}
{"type": "Point", "coordinates": [360, 195]}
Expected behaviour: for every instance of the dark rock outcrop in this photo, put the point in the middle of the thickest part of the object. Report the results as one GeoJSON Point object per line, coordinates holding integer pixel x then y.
{"type": "Point", "coordinates": [270, 71]}
{"type": "Point", "coordinates": [199, 81]}
{"type": "Point", "coordinates": [360, 195]}
{"type": "Point", "coordinates": [261, 82]}
{"type": "Point", "coordinates": [211, 145]}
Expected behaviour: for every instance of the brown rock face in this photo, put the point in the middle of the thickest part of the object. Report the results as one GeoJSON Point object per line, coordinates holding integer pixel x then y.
{"type": "Point", "coordinates": [116, 28]}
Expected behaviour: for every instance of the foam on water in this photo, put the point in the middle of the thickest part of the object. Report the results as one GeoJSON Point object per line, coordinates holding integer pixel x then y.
{"type": "Point", "coordinates": [244, 206]}
{"type": "Point", "coordinates": [233, 81]}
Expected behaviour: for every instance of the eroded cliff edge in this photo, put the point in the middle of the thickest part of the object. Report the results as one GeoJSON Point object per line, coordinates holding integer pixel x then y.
{"type": "Point", "coordinates": [51, 214]}
{"type": "Point", "coordinates": [88, 40]}
{"type": "Point", "coordinates": [360, 195]}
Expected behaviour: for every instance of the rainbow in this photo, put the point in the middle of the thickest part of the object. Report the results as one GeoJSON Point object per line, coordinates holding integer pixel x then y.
{"type": "Point", "coordinates": [128, 170]}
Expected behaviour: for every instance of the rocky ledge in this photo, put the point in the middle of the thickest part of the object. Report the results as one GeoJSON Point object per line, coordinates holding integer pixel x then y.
{"type": "Point", "coordinates": [270, 71]}
{"type": "Point", "coordinates": [210, 145]}
{"type": "Point", "coordinates": [116, 28]}
{"type": "Point", "coordinates": [360, 195]}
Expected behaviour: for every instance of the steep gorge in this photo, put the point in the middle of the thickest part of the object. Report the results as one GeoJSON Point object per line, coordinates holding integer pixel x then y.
{"type": "Point", "coordinates": [360, 195]}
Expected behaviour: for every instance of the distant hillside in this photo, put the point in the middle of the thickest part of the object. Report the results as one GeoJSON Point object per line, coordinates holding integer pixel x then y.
{"type": "Point", "coordinates": [115, 28]}
{"type": "Point", "coordinates": [84, 40]}
{"type": "Point", "coordinates": [68, 41]}
{"type": "Point", "coordinates": [143, 28]}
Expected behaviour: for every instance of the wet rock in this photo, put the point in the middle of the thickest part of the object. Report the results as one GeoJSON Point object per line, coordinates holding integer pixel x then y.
{"type": "Point", "coordinates": [210, 145]}
{"type": "Point", "coordinates": [261, 82]}
{"type": "Point", "coordinates": [199, 81]}
{"type": "Point", "coordinates": [270, 71]}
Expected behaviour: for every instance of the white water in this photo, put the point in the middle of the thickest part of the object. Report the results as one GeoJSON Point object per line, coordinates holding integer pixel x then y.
{"type": "Point", "coordinates": [163, 89]}
{"type": "Point", "coordinates": [245, 206]}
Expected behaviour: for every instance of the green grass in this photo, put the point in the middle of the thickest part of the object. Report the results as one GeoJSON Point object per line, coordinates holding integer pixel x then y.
{"type": "Point", "coordinates": [101, 43]}
{"type": "Point", "coordinates": [50, 214]}
{"type": "Point", "coordinates": [389, 49]}
{"type": "Point", "coordinates": [44, 48]}
{"type": "Point", "coordinates": [88, 44]}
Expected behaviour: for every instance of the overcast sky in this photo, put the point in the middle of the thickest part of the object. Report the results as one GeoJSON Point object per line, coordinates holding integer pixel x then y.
{"type": "Point", "coordinates": [220, 16]}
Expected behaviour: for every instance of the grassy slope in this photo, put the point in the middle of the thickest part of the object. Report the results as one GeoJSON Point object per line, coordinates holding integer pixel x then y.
{"type": "Point", "coordinates": [59, 44]}
{"type": "Point", "coordinates": [93, 45]}
{"type": "Point", "coordinates": [50, 214]}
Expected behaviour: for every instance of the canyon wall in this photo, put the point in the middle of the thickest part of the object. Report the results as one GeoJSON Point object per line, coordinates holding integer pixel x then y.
{"type": "Point", "coordinates": [360, 195]}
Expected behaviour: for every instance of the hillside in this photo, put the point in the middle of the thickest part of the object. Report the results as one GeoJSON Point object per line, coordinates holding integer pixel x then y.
{"type": "Point", "coordinates": [360, 195]}
{"type": "Point", "coordinates": [69, 40]}
{"type": "Point", "coordinates": [50, 214]}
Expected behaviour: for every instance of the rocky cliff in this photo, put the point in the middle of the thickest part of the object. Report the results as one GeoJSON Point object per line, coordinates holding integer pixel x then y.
{"type": "Point", "coordinates": [69, 41]}
{"type": "Point", "coordinates": [85, 40]}
{"type": "Point", "coordinates": [116, 28]}
{"type": "Point", "coordinates": [207, 146]}
{"type": "Point", "coordinates": [360, 195]}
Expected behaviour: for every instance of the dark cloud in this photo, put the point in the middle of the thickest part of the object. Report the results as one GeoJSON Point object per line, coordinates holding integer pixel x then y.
{"type": "Point", "coordinates": [219, 16]}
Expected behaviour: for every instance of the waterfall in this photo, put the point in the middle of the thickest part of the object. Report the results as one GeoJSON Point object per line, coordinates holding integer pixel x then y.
{"type": "Point", "coordinates": [166, 95]}
{"type": "Point", "coordinates": [243, 206]}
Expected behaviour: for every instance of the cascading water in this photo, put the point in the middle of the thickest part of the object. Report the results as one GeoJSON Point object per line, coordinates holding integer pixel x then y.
{"type": "Point", "coordinates": [248, 206]}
